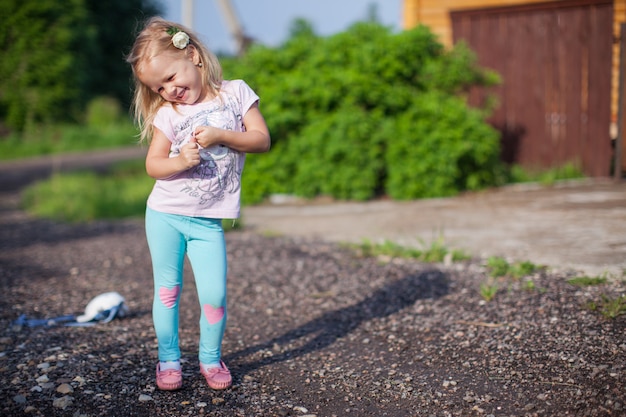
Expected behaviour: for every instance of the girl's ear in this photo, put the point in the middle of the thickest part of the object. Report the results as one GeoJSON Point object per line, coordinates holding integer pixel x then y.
{"type": "Point", "coordinates": [193, 54]}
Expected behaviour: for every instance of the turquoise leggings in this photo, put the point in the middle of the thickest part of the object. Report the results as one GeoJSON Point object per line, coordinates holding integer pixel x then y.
{"type": "Point", "coordinates": [170, 237]}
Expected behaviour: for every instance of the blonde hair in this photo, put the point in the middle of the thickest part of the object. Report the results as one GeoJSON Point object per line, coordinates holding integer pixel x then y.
{"type": "Point", "coordinates": [155, 39]}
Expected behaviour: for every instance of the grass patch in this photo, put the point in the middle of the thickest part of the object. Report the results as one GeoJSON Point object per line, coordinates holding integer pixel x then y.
{"type": "Point", "coordinates": [500, 267]}
{"type": "Point", "coordinates": [517, 174]}
{"type": "Point", "coordinates": [231, 224]}
{"type": "Point", "coordinates": [489, 289]}
{"type": "Point", "coordinates": [87, 196]}
{"type": "Point", "coordinates": [586, 281]}
{"type": "Point", "coordinates": [388, 248]}
{"type": "Point", "coordinates": [529, 285]}
{"type": "Point", "coordinates": [437, 251]}
{"type": "Point", "coordinates": [609, 307]}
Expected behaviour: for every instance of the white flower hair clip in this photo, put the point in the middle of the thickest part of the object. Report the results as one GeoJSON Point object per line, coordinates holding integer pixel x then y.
{"type": "Point", "coordinates": [179, 38]}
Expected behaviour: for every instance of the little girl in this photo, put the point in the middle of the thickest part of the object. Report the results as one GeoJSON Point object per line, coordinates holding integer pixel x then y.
{"type": "Point", "coordinates": [199, 128]}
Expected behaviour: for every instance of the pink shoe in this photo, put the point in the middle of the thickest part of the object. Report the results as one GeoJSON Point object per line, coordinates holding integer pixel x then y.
{"type": "Point", "coordinates": [217, 378]}
{"type": "Point", "coordinates": [168, 380]}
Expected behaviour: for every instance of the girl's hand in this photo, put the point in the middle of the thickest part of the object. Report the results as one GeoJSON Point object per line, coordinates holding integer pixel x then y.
{"type": "Point", "coordinates": [190, 154]}
{"type": "Point", "coordinates": [207, 136]}
{"type": "Point", "coordinates": [159, 165]}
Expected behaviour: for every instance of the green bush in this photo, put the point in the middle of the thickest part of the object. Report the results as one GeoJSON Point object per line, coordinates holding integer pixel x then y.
{"type": "Point", "coordinates": [43, 67]}
{"type": "Point", "coordinates": [87, 196]}
{"type": "Point", "coordinates": [368, 112]}
{"type": "Point", "coordinates": [439, 147]}
{"type": "Point", "coordinates": [340, 155]}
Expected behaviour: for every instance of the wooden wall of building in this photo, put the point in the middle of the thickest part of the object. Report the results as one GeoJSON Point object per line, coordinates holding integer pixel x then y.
{"type": "Point", "coordinates": [436, 15]}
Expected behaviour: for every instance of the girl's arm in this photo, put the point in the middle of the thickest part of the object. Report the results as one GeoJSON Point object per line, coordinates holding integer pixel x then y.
{"type": "Point", "coordinates": [256, 138]}
{"type": "Point", "coordinates": [158, 163]}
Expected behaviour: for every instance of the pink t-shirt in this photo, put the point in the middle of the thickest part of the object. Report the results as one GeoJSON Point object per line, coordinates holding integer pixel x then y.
{"type": "Point", "coordinates": [212, 188]}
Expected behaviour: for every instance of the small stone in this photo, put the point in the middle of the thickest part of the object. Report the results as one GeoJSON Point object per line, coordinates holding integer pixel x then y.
{"type": "Point", "coordinates": [43, 379]}
{"type": "Point", "coordinates": [143, 398]}
{"type": "Point", "coordinates": [43, 365]}
{"type": "Point", "coordinates": [300, 409]}
{"type": "Point", "coordinates": [63, 402]}
{"type": "Point", "coordinates": [19, 399]}
{"type": "Point", "coordinates": [217, 401]}
{"type": "Point", "coordinates": [201, 404]}
{"type": "Point", "coordinates": [30, 409]}
{"type": "Point", "coordinates": [65, 389]}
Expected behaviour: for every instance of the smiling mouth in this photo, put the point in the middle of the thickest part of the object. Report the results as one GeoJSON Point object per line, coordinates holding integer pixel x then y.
{"type": "Point", "coordinates": [181, 95]}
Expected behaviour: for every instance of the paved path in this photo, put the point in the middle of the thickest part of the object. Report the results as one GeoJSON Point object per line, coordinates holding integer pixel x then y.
{"type": "Point", "coordinates": [16, 174]}
{"type": "Point", "coordinates": [578, 225]}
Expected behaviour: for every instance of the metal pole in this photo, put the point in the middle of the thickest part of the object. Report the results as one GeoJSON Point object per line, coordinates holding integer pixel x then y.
{"type": "Point", "coordinates": [187, 13]}
{"type": "Point", "coordinates": [228, 11]}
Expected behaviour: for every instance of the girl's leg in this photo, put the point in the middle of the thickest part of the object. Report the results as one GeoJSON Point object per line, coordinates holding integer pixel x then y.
{"type": "Point", "coordinates": [167, 249]}
{"type": "Point", "coordinates": [207, 254]}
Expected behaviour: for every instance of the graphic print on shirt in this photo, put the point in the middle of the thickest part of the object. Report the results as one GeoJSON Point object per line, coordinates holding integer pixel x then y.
{"type": "Point", "coordinates": [217, 173]}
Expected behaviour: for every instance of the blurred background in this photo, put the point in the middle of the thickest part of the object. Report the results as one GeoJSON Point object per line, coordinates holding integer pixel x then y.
{"type": "Point", "coordinates": [365, 99]}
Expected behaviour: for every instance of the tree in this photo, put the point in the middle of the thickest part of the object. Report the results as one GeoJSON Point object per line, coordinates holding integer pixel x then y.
{"type": "Point", "coordinates": [56, 56]}
{"type": "Point", "coordinates": [115, 23]}
{"type": "Point", "coordinates": [42, 65]}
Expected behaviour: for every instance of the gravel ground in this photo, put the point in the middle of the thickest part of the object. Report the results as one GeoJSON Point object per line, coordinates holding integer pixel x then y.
{"type": "Point", "coordinates": [314, 330]}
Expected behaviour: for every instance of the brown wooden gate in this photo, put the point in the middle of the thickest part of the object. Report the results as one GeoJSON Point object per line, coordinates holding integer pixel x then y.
{"type": "Point", "coordinates": [555, 61]}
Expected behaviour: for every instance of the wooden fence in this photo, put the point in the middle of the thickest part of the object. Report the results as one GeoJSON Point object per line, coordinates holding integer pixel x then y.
{"type": "Point", "coordinates": [555, 61]}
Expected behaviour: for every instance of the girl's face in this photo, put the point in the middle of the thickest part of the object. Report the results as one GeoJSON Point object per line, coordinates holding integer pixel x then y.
{"type": "Point", "coordinates": [174, 77]}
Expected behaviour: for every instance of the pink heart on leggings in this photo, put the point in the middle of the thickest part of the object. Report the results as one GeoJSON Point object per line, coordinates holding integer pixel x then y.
{"type": "Point", "coordinates": [213, 315]}
{"type": "Point", "coordinates": [168, 296]}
